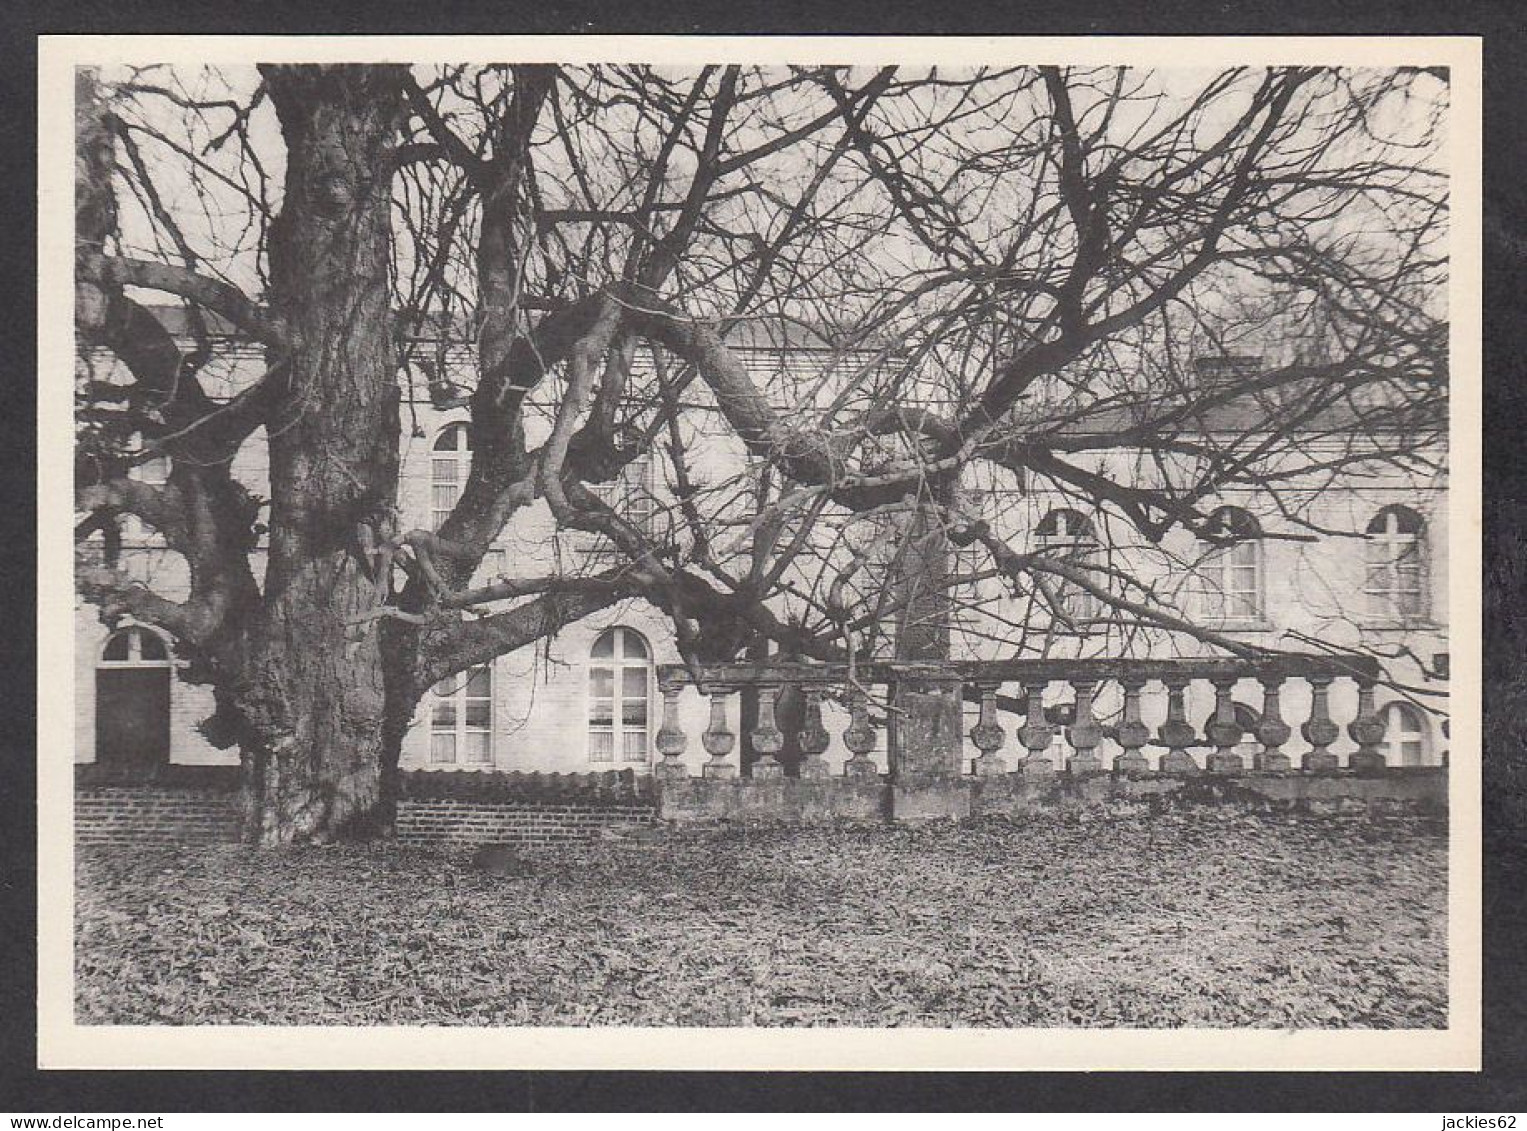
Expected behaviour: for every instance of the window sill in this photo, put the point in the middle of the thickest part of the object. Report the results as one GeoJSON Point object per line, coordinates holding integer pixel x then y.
{"type": "Point", "coordinates": [1241, 625]}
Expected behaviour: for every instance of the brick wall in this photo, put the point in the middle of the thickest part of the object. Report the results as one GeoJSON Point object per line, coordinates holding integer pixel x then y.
{"type": "Point", "coordinates": [127, 815]}
{"type": "Point", "coordinates": [198, 805]}
{"type": "Point", "coordinates": [455, 823]}
{"type": "Point", "coordinates": [168, 814]}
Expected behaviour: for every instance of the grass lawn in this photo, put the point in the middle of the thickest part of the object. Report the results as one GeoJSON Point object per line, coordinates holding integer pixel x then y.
{"type": "Point", "coordinates": [1204, 917]}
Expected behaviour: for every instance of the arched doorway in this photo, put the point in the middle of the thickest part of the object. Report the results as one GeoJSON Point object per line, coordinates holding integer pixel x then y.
{"type": "Point", "coordinates": [132, 701]}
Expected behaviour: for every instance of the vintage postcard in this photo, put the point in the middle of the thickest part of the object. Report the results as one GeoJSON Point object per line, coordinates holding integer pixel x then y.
{"type": "Point", "coordinates": [720, 553]}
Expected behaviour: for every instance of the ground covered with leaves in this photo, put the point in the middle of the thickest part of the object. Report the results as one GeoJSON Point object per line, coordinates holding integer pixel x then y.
{"type": "Point", "coordinates": [1203, 918]}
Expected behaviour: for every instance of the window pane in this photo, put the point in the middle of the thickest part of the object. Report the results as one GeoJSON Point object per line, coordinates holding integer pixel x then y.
{"type": "Point", "coordinates": [444, 470]}
{"type": "Point", "coordinates": [602, 711]}
{"type": "Point", "coordinates": [1395, 520]}
{"type": "Point", "coordinates": [633, 683]}
{"type": "Point", "coordinates": [476, 747]}
{"type": "Point", "coordinates": [443, 496]}
{"type": "Point", "coordinates": [635, 648]}
{"type": "Point", "coordinates": [605, 645]}
{"type": "Point", "coordinates": [633, 712]}
{"type": "Point", "coordinates": [442, 747]}
{"type": "Point", "coordinates": [601, 683]}
{"type": "Point", "coordinates": [1404, 731]}
{"type": "Point", "coordinates": [152, 648]}
{"type": "Point", "coordinates": [480, 683]}
{"type": "Point", "coordinates": [116, 647]}
{"type": "Point", "coordinates": [444, 716]}
{"type": "Point", "coordinates": [478, 713]}
{"type": "Point", "coordinates": [601, 746]}
{"type": "Point", "coordinates": [635, 746]}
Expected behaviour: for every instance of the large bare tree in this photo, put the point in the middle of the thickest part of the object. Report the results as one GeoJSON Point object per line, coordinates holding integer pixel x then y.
{"type": "Point", "coordinates": [1008, 271]}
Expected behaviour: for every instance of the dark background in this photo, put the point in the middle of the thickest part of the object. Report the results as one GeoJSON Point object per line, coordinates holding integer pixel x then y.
{"type": "Point", "coordinates": [1503, 1084]}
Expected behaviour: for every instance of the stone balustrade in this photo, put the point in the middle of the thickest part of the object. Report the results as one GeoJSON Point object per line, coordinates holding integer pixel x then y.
{"type": "Point", "coordinates": [1212, 738]}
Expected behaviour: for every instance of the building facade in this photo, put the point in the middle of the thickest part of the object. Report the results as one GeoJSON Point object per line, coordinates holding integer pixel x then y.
{"type": "Point", "coordinates": [1375, 577]}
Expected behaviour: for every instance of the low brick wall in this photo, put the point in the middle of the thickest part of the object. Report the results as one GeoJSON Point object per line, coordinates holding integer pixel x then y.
{"type": "Point", "coordinates": [463, 808]}
{"type": "Point", "coordinates": [446, 811]}
{"type": "Point", "coordinates": [459, 824]}
{"type": "Point", "coordinates": [608, 788]}
{"type": "Point", "coordinates": [129, 815]}
{"type": "Point", "coordinates": [199, 805]}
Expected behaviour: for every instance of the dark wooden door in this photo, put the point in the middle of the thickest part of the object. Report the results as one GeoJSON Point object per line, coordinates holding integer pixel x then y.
{"type": "Point", "coordinates": [132, 717]}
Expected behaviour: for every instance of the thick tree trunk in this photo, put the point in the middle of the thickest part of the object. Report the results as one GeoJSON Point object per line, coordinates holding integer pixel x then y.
{"type": "Point", "coordinates": [313, 695]}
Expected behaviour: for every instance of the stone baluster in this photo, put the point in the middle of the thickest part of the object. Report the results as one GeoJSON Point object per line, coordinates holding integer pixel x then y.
{"type": "Point", "coordinates": [859, 738]}
{"type": "Point", "coordinates": [813, 736]}
{"type": "Point", "coordinates": [1223, 729]}
{"type": "Point", "coordinates": [1085, 732]}
{"type": "Point", "coordinates": [1319, 731]}
{"type": "Point", "coordinates": [671, 739]}
{"type": "Point", "coordinates": [1176, 733]}
{"type": "Point", "coordinates": [1367, 730]}
{"type": "Point", "coordinates": [1036, 732]}
{"type": "Point", "coordinates": [718, 739]}
{"type": "Point", "coordinates": [1272, 732]}
{"type": "Point", "coordinates": [768, 739]}
{"type": "Point", "coordinates": [988, 735]}
{"type": "Point", "coordinates": [1132, 733]}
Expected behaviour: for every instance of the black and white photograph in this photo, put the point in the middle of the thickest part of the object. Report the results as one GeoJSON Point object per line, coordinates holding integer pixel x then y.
{"type": "Point", "coordinates": [662, 553]}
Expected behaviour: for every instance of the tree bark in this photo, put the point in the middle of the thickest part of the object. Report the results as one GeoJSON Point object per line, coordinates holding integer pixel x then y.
{"type": "Point", "coordinates": [313, 694]}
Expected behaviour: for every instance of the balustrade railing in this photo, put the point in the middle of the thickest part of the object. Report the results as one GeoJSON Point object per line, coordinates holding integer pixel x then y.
{"type": "Point", "coordinates": [1023, 688]}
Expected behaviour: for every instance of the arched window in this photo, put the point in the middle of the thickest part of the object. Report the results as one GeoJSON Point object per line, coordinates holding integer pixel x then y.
{"type": "Point", "coordinates": [449, 464]}
{"type": "Point", "coordinates": [1068, 535]}
{"type": "Point", "coordinates": [135, 648]}
{"type": "Point", "coordinates": [620, 692]}
{"type": "Point", "coordinates": [1231, 570]}
{"type": "Point", "coordinates": [1404, 735]}
{"type": "Point", "coordinates": [1395, 565]}
{"type": "Point", "coordinates": [132, 701]}
{"type": "Point", "coordinates": [461, 717]}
